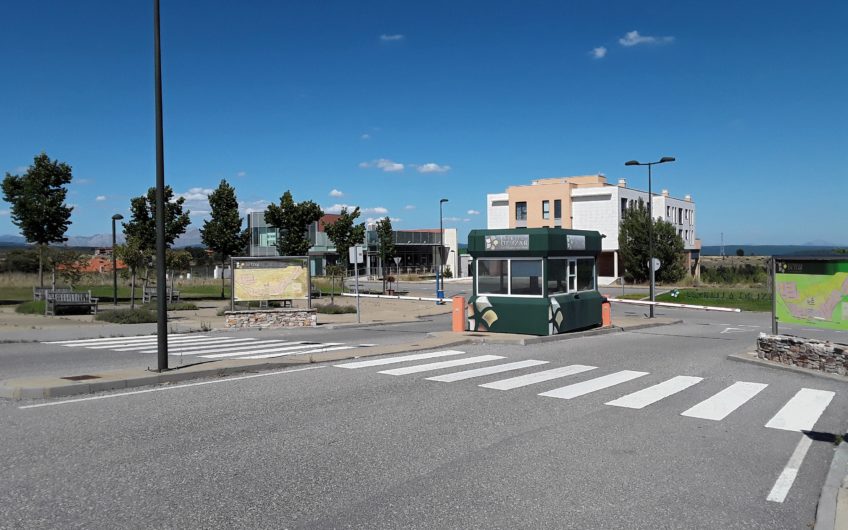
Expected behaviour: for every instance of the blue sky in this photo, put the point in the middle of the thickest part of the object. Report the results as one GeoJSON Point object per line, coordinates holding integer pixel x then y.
{"type": "Point", "coordinates": [332, 99]}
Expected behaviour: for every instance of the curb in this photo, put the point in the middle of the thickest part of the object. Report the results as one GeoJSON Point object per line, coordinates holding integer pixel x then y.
{"type": "Point", "coordinates": [751, 358]}
{"type": "Point", "coordinates": [828, 516]}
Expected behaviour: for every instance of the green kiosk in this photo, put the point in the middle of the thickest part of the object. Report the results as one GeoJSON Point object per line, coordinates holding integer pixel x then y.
{"type": "Point", "coordinates": [534, 281]}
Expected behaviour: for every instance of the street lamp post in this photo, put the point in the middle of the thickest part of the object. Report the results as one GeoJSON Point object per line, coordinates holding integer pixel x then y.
{"type": "Point", "coordinates": [440, 292]}
{"type": "Point", "coordinates": [116, 217]}
{"type": "Point", "coordinates": [662, 160]}
{"type": "Point", "coordinates": [161, 282]}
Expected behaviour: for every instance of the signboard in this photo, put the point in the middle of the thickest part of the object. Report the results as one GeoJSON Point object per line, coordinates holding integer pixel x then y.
{"type": "Point", "coordinates": [356, 255]}
{"type": "Point", "coordinates": [259, 279]}
{"type": "Point", "coordinates": [443, 254]}
{"type": "Point", "coordinates": [657, 264]}
{"type": "Point", "coordinates": [508, 242]}
{"type": "Point", "coordinates": [575, 242]}
{"type": "Point", "coordinates": [812, 293]}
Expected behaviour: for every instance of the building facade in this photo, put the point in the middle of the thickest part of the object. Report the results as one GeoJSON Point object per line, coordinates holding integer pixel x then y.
{"type": "Point", "coordinates": [590, 203]}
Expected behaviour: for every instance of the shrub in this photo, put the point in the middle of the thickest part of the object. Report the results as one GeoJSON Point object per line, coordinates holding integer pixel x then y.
{"type": "Point", "coordinates": [33, 307]}
{"type": "Point", "coordinates": [127, 316]}
{"type": "Point", "coordinates": [333, 309]}
{"type": "Point", "coordinates": [175, 306]}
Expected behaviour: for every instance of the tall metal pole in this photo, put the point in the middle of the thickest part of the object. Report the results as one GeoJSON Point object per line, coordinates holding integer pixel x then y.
{"type": "Point", "coordinates": [441, 245]}
{"type": "Point", "coordinates": [161, 282]}
{"type": "Point", "coordinates": [774, 330]}
{"type": "Point", "coordinates": [114, 265]}
{"type": "Point", "coordinates": [651, 238]}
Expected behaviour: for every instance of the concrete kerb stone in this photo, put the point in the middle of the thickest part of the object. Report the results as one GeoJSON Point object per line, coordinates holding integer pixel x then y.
{"type": "Point", "coordinates": [830, 512]}
{"type": "Point", "coordinates": [751, 358]}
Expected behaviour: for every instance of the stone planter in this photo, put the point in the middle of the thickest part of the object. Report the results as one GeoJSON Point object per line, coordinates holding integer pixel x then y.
{"type": "Point", "coordinates": [271, 318]}
{"type": "Point", "coordinates": [826, 356]}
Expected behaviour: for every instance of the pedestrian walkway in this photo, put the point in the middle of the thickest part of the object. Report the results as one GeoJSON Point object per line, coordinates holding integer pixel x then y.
{"type": "Point", "coordinates": [210, 347]}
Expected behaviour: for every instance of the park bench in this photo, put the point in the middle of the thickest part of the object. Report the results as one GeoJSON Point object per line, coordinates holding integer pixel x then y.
{"type": "Point", "coordinates": [149, 293]}
{"type": "Point", "coordinates": [38, 292]}
{"type": "Point", "coordinates": [55, 300]}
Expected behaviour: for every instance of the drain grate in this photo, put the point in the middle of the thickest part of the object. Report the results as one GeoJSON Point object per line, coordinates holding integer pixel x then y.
{"type": "Point", "coordinates": [80, 377]}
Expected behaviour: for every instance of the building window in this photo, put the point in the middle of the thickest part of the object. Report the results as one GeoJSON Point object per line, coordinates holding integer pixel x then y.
{"type": "Point", "coordinates": [557, 209]}
{"type": "Point", "coordinates": [521, 211]}
{"type": "Point", "coordinates": [492, 276]}
{"type": "Point", "coordinates": [668, 212]}
{"type": "Point", "coordinates": [526, 277]}
{"type": "Point", "coordinates": [623, 207]}
{"type": "Point", "coordinates": [546, 209]}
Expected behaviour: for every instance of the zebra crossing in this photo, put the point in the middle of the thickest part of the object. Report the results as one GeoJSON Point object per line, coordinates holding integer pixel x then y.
{"type": "Point", "coordinates": [210, 347]}
{"type": "Point", "coordinates": [800, 413]}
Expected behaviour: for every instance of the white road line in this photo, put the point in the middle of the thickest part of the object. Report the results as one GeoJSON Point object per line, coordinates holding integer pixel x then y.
{"type": "Point", "coordinates": [163, 388]}
{"type": "Point", "coordinates": [101, 339]}
{"type": "Point", "coordinates": [802, 411]}
{"type": "Point", "coordinates": [198, 341]}
{"type": "Point", "coordinates": [299, 352]}
{"type": "Point", "coordinates": [652, 394]}
{"type": "Point", "coordinates": [593, 385]}
{"type": "Point", "coordinates": [478, 372]}
{"type": "Point", "coordinates": [119, 341]}
{"type": "Point", "coordinates": [441, 364]}
{"type": "Point", "coordinates": [139, 343]}
{"type": "Point", "coordinates": [538, 377]}
{"type": "Point", "coordinates": [213, 348]}
{"type": "Point", "coordinates": [787, 476]}
{"type": "Point", "coordinates": [719, 406]}
{"type": "Point", "coordinates": [272, 351]}
{"type": "Point", "coordinates": [401, 359]}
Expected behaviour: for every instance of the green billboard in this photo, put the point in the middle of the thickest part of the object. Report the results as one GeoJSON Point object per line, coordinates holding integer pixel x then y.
{"type": "Point", "coordinates": [812, 292]}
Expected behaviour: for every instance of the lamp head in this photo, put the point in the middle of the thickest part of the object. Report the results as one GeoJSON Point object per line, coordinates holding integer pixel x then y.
{"type": "Point", "coordinates": [666, 159]}
{"type": "Point", "coordinates": [117, 217]}
{"type": "Point", "coordinates": [442, 200]}
{"type": "Point", "coordinates": [631, 163]}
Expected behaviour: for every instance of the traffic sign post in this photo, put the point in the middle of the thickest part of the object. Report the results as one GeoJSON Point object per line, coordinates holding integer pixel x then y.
{"type": "Point", "coordinates": [356, 256]}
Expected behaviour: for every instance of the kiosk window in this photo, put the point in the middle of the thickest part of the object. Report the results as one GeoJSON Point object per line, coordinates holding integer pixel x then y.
{"type": "Point", "coordinates": [570, 275]}
{"type": "Point", "coordinates": [492, 276]}
{"type": "Point", "coordinates": [557, 277]}
{"type": "Point", "coordinates": [526, 277]}
{"type": "Point", "coordinates": [585, 274]}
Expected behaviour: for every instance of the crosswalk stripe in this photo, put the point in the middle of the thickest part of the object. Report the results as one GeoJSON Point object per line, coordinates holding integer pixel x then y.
{"type": "Point", "coordinates": [299, 352]}
{"type": "Point", "coordinates": [264, 353]}
{"type": "Point", "coordinates": [538, 377]}
{"type": "Point", "coordinates": [101, 339]}
{"type": "Point", "coordinates": [593, 385]}
{"type": "Point", "coordinates": [212, 348]}
{"type": "Point", "coordinates": [478, 372]}
{"type": "Point", "coordinates": [652, 394]}
{"type": "Point", "coordinates": [211, 340]}
{"type": "Point", "coordinates": [441, 364]}
{"type": "Point", "coordinates": [120, 341]}
{"type": "Point", "coordinates": [401, 359]}
{"type": "Point", "coordinates": [722, 404]}
{"type": "Point", "coordinates": [802, 411]}
{"type": "Point", "coordinates": [787, 477]}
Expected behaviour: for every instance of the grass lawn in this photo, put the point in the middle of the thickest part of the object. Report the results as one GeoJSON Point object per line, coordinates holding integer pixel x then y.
{"type": "Point", "coordinates": [744, 299]}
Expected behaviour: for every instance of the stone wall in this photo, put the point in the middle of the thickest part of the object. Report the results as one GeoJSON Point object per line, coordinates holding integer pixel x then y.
{"type": "Point", "coordinates": [830, 357]}
{"type": "Point", "coordinates": [271, 318]}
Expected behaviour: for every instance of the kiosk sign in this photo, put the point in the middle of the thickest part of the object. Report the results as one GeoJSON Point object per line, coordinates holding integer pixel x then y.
{"type": "Point", "coordinates": [812, 292]}
{"type": "Point", "coordinates": [508, 242]}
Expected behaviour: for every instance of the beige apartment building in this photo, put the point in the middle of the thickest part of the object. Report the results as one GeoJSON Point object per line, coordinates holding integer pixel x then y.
{"type": "Point", "coordinates": [589, 202]}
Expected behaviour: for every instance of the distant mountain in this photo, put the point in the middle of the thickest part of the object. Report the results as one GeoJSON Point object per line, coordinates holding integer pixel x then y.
{"type": "Point", "coordinates": [772, 250]}
{"type": "Point", "coordinates": [9, 239]}
{"type": "Point", "coordinates": [190, 239]}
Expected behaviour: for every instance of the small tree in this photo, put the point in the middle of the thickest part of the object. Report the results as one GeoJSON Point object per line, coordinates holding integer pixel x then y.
{"type": "Point", "coordinates": [134, 258]}
{"type": "Point", "coordinates": [385, 238]}
{"type": "Point", "coordinates": [177, 260]}
{"type": "Point", "coordinates": [633, 248]}
{"type": "Point", "coordinates": [334, 271]}
{"type": "Point", "coordinates": [344, 234]}
{"type": "Point", "coordinates": [292, 219]}
{"type": "Point", "coordinates": [222, 232]}
{"type": "Point", "coordinates": [38, 204]}
{"type": "Point", "coordinates": [69, 265]}
{"type": "Point", "coordinates": [740, 252]}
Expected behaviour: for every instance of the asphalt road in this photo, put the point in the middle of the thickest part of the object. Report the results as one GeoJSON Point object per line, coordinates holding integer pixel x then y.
{"type": "Point", "coordinates": [331, 447]}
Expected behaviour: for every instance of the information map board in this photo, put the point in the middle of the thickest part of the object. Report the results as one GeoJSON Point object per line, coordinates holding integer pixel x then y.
{"type": "Point", "coordinates": [263, 279]}
{"type": "Point", "coordinates": [812, 292]}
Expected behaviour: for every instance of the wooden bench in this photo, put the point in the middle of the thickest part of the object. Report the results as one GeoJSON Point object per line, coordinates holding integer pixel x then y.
{"type": "Point", "coordinates": [149, 293]}
{"type": "Point", "coordinates": [55, 300]}
{"type": "Point", "coordinates": [38, 292]}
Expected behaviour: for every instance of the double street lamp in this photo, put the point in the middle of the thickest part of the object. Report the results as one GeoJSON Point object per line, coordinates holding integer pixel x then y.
{"type": "Point", "coordinates": [116, 217]}
{"type": "Point", "coordinates": [651, 267]}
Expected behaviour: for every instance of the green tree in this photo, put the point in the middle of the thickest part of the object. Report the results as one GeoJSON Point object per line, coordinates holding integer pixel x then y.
{"type": "Point", "coordinates": [134, 258]}
{"type": "Point", "coordinates": [385, 238]}
{"type": "Point", "coordinates": [344, 233]}
{"type": "Point", "coordinates": [38, 203]}
{"type": "Point", "coordinates": [740, 252]}
{"type": "Point", "coordinates": [176, 260]}
{"type": "Point", "coordinates": [222, 232]}
{"type": "Point", "coordinates": [69, 264]}
{"type": "Point", "coordinates": [334, 271]}
{"type": "Point", "coordinates": [20, 260]}
{"type": "Point", "coordinates": [633, 248]}
{"type": "Point", "coordinates": [292, 219]}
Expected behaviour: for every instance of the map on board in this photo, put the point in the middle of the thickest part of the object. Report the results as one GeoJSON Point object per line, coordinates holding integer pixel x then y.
{"type": "Point", "coordinates": [816, 300]}
{"type": "Point", "coordinates": [270, 280]}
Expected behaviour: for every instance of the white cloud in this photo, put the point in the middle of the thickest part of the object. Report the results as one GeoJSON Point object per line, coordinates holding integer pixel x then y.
{"type": "Point", "coordinates": [378, 210]}
{"type": "Point", "coordinates": [336, 193]}
{"type": "Point", "coordinates": [82, 181]}
{"type": "Point", "coordinates": [391, 38]}
{"type": "Point", "coordinates": [100, 198]}
{"type": "Point", "coordinates": [4, 212]}
{"type": "Point", "coordinates": [409, 207]}
{"type": "Point", "coordinates": [383, 163]}
{"type": "Point", "coordinates": [337, 208]}
{"type": "Point", "coordinates": [241, 174]}
{"type": "Point", "coordinates": [196, 194]}
{"type": "Point", "coordinates": [365, 136]}
{"type": "Point", "coordinates": [473, 212]}
{"type": "Point", "coordinates": [247, 208]}
{"type": "Point", "coordinates": [457, 219]}
{"type": "Point", "coordinates": [374, 220]}
{"type": "Point", "coordinates": [198, 213]}
{"type": "Point", "coordinates": [432, 167]}
{"type": "Point", "coordinates": [600, 52]}
{"type": "Point", "coordinates": [632, 38]}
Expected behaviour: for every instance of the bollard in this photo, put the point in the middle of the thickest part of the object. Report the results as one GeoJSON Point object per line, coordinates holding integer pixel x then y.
{"type": "Point", "coordinates": [458, 319]}
{"type": "Point", "coordinates": [606, 314]}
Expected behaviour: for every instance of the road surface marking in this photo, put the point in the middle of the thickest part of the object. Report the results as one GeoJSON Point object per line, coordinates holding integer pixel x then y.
{"type": "Point", "coordinates": [401, 359]}
{"type": "Point", "coordinates": [802, 411]}
{"type": "Point", "coordinates": [124, 341]}
{"type": "Point", "coordinates": [722, 404]}
{"type": "Point", "coordinates": [441, 364]}
{"type": "Point", "coordinates": [209, 341]}
{"type": "Point", "coordinates": [538, 377]}
{"type": "Point", "coordinates": [216, 348]}
{"type": "Point", "coordinates": [652, 394]}
{"type": "Point", "coordinates": [163, 388]}
{"type": "Point", "coordinates": [271, 350]}
{"type": "Point", "coordinates": [314, 349]}
{"type": "Point", "coordinates": [108, 339]}
{"type": "Point", "coordinates": [478, 372]}
{"type": "Point", "coordinates": [593, 385]}
{"type": "Point", "coordinates": [787, 476]}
